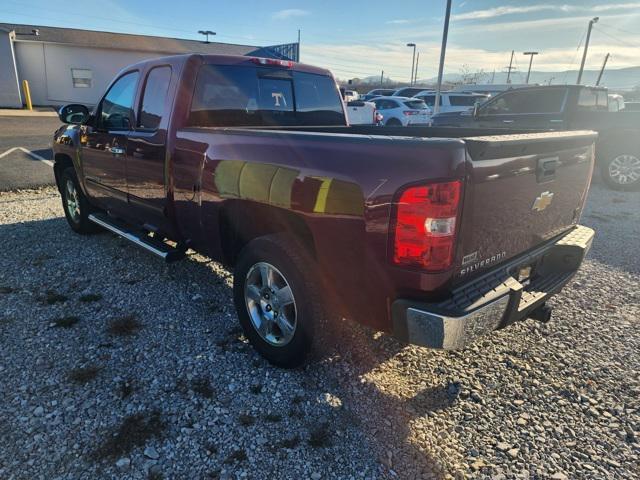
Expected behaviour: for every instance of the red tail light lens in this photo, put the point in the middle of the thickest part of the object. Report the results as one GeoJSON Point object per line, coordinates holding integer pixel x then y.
{"type": "Point", "coordinates": [425, 229]}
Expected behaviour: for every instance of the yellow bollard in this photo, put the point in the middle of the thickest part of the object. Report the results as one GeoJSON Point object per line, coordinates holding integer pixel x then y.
{"type": "Point", "coordinates": [27, 94]}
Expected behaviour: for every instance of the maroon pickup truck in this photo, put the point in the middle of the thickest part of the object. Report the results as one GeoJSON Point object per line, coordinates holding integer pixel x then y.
{"type": "Point", "coordinates": [437, 235]}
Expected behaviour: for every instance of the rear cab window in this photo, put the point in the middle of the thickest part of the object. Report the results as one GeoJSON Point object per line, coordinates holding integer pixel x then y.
{"type": "Point", "coordinates": [230, 95]}
{"type": "Point", "coordinates": [154, 98]}
{"type": "Point", "coordinates": [593, 100]}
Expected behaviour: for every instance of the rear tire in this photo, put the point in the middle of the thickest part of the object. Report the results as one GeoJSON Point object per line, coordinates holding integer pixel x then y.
{"type": "Point", "coordinates": [394, 122]}
{"type": "Point", "coordinates": [277, 301]}
{"type": "Point", "coordinates": [75, 204]}
{"type": "Point", "coordinates": [621, 170]}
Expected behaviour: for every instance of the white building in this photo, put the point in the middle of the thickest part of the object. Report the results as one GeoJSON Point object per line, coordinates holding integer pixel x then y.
{"type": "Point", "coordinates": [65, 65]}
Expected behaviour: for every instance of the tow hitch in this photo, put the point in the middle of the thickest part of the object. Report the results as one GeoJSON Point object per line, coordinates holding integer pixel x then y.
{"type": "Point", "coordinates": [542, 313]}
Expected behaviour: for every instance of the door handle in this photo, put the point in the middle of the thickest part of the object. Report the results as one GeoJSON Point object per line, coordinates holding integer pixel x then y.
{"type": "Point", "coordinates": [117, 150]}
{"type": "Point", "coordinates": [507, 121]}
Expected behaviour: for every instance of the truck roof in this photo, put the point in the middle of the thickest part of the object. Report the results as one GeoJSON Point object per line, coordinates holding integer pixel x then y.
{"type": "Point", "coordinates": [236, 60]}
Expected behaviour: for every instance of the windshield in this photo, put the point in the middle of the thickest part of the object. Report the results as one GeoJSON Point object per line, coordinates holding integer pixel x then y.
{"type": "Point", "coordinates": [251, 96]}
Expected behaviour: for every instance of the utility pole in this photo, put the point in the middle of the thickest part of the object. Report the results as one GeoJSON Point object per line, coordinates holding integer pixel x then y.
{"type": "Point", "coordinates": [493, 76]}
{"type": "Point", "coordinates": [381, 78]}
{"type": "Point", "coordinates": [586, 47]}
{"type": "Point", "coordinates": [206, 33]}
{"type": "Point", "coordinates": [413, 61]}
{"type": "Point", "coordinates": [509, 68]}
{"type": "Point", "coordinates": [298, 59]}
{"type": "Point", "coordinates": [443, 49]}
{"type": "Point", "coordinates": [604, 64]}
{"type": "Point", "coordinates": [415, 75]}
{"type": "Point", "coordinates": [531, 55]}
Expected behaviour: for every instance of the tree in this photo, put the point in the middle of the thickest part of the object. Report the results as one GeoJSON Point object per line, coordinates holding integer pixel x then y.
{"type": "Point", "coordinates": [468, 76]}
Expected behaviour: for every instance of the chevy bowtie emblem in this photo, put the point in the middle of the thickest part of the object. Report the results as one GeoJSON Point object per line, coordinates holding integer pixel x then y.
{"type": "Point", "coordinates": [542, 202]}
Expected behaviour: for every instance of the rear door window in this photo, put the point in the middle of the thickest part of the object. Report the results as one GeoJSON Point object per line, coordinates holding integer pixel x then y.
{"type": "Point", "coordinates": [154, 97]}
{"type": "Point", "coordinates": [248, 96]}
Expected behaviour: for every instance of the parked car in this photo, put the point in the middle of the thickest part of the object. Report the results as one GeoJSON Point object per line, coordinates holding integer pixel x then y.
{"type": "Point", "coordinates": [403, 111]}
{"type": "Point", "coordinates": [250, 161]}
{"type": "Point", "coordinates": [407, 91]}
{"type": "Point", "coordinates": [351, 96]}
{"type": "Point", "coordinates": [616, 102]}
{"type": "Point", "coordinates": [632, 106]}
{"type": "Point", "coordinates": [452, 102]}
{"type": "Point", "coordinates": [490, 89]}
{"type": "Point", "coordinates": [381, 92]}
{"type": "Point", "coordinates": [362, 113]}
{"type": "Point", "coordinates": [566, 107]}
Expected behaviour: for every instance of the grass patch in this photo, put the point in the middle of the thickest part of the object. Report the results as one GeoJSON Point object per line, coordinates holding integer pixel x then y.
{"type": "Point", "coordinates": [134, 431]}
{"type": "Point", "coordinates": [246, 419]}
{"type": "Point", "coordinates": [84, 375]}
{"type": "Point", "coordinates": [239, 455]}
{"type": "Point", "coordinates": [51, 297]}
{"type": "Point", "coordinates": [65, 322]}
{"type": "Point", "coordinates": [6, 290]}
{"type": "Point", "coordinates": [273, 417]}
{"type": "Point", "coordinates": [124, 326]}
{"type": "Point", "coordinates": [320, 436]}
{"type": "Point", "coordinates": [90, 297]}
{"type": "Point", "coordinates": [202, 386]}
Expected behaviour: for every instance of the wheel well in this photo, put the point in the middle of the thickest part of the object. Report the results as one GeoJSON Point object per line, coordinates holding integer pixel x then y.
{"type": "Point", "coordinates": [242, 221]}
{"type": "Point", "coordinates": [62, 161]}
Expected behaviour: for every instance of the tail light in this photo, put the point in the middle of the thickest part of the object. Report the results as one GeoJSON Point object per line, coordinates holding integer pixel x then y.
{"type": "Point", "coordinates": [412, 112]}
{"type": "Point", "coordinates": [272, 62]}
{"type": "Point", "coordinates": [425, 226]}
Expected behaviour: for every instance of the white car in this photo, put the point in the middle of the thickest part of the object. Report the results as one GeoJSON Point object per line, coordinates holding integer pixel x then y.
{"type": "Point", "coordinates": [452, 101]}
{"type": "Point", "coordinates": [351, 96]}
{"type": "Point", "coordinates": [362, 113]}
{"type": "Point", "coordinates": [403, 111]}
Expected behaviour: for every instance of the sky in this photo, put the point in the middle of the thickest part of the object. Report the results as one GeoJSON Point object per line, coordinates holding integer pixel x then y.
{"type": "Point", "coordinates": [362, 38]}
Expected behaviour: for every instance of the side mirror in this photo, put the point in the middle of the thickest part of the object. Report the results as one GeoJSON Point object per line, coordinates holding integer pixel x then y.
{"type": "Point", "coordinates": [73, 113]}
{"type": "Point", "coordinates": [476, 110]}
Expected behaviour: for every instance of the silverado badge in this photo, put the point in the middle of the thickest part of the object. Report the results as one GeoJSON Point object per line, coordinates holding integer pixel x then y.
{"type": "Point", "coordinates": [542, 202]}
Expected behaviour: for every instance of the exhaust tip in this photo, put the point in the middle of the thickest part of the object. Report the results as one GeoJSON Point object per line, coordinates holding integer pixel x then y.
{"type": "Point", "coordinates": [542, 313]}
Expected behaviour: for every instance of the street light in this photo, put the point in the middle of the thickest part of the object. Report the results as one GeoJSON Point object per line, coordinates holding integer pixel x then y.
{"type": "Point", "coordinates": [207, 33]}
{"type": "Point", "coordinates": [531, 55]}
{"type": "Point", "coordinates": [586, 47]}
{"type": "Point", "coordinates": [413, 61]}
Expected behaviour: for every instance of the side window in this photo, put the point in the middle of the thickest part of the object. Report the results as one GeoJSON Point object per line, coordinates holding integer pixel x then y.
{"type": "Point", "coordinates": [116, 109]}
{"type": "Point", "coordinates": [153, 99]}
{"type": "Point", "coordinates": [502, 104]}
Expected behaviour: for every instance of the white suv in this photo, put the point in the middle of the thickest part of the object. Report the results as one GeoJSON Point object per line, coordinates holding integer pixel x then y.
{"type": "Point", "coordinates": [403, 111]}
{"type": "Point", "coordinates": [452, 101]}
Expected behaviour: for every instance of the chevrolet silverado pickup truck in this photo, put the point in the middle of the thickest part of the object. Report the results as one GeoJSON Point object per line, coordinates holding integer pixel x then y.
{"type": "Point", "coordinates": [566, 107]}
{"type": "Point", "coordinates": [435, 235]}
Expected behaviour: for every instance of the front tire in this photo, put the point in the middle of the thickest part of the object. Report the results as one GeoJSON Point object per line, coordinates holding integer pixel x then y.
{"type": "Point", "coordinates": [621, 171]}
{"type": "Point", "coordinates": [75, 204]}
{"type": "Point", "coordinates": [276, 302]}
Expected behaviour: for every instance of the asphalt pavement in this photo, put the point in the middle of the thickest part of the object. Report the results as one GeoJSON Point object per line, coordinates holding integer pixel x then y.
{"type": "Point", "coordinates": [25, 151]}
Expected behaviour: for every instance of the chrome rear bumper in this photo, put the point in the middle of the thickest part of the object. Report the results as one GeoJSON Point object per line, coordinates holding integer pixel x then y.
{"type": "Point", "coordinates": [494, 300]}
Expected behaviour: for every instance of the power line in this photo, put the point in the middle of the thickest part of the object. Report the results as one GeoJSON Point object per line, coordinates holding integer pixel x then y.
{"type": "Point", "coordinates": [623, 42]}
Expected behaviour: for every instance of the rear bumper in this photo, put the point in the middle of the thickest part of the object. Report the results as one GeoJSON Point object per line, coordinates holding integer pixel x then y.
{"type": "Point", "coordinates": [494, 300]}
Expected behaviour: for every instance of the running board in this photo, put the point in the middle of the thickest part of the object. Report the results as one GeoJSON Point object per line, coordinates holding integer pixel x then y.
{"type": "Point", "coordinates": [157, 247]}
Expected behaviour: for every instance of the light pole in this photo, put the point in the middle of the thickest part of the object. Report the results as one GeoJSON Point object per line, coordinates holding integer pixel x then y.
{"type": "Point", "coordinates": [413, 60]}
{"type": "Point", "coordinates": [443, 49]}
{"type": "Point", "coordinates": [531, 55]}
{"type": "Point", "coordinates": [586, 47]}
{"type": "Point", "coordinates": [206, 33]}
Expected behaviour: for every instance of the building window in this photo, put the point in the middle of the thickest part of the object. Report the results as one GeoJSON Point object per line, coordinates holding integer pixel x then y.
{"type": "Point", "coordinates": [81, 77]}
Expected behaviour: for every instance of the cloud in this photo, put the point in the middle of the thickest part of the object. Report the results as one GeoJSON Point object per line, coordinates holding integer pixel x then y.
{"type": "Point", "coordinates": [511, 10]}
{"type": "Point", "coordinates": [289, 13]}
{"type": "Point", "coordinates": [400, 21]}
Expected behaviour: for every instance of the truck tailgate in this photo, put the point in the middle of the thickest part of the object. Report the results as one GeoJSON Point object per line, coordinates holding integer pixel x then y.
{"type": "Point", "coordinates": [522, 190]}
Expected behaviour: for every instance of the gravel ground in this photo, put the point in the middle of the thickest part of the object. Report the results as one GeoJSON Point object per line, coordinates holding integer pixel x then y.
{"type": "Point", "coordinates": [114, 365]}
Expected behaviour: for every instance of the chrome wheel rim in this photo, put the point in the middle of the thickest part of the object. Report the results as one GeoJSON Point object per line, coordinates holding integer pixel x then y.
{"type": "Point", "coordinates": [270, 304]}
{"type": "Point", "coordinates": [73, 202]}
{"type": "Point", "coordinates": [625, 169]}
